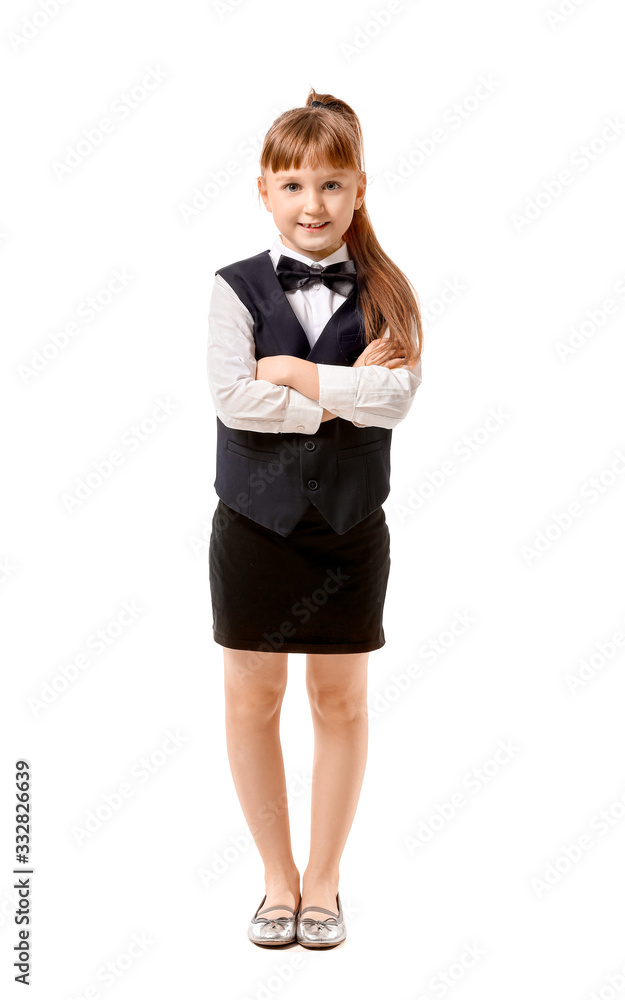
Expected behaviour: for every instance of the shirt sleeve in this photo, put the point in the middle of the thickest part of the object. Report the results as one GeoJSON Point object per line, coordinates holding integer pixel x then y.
{"type": "Point", "coordinates": [240, 399]}
{"type": "Point", "coordinates": [370, 395]}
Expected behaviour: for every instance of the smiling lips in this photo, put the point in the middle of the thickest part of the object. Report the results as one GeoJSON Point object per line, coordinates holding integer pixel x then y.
{"type": "Point", "coordinates": [307, 225]}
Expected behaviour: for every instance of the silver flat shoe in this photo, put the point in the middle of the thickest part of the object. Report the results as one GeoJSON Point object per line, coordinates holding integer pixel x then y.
{"type": "Point", "coordinates": [313, 933]}
{"type": "Point", "coordinates": [273, 930]}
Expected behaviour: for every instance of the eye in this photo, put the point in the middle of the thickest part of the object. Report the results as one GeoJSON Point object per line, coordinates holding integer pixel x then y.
{"type": "Point", "coordinates": [295, 184]}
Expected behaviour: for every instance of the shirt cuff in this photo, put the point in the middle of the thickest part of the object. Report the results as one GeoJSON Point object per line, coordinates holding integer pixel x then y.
{"type": "Point", "coordinates": [303, 415]}
{"type": "Point", "coordinates": [337, 389]}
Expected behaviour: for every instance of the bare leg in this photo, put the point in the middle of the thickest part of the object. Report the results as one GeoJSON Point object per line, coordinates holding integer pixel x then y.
{"type": "Point", "coordinates": [254, 688]}
{"type": "Point", "coordinates": [337, 690]}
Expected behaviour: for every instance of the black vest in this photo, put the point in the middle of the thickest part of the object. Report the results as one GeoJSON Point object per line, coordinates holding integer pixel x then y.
{"type": "Point", "coordinates": [272, 478]}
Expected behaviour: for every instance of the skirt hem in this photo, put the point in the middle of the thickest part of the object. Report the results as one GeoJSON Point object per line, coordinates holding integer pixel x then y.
{"type": "Point", "coordinates": [302, 647]}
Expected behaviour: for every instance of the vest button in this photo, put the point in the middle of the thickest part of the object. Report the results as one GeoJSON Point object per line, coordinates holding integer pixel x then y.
{"type": "Point", "coordinates": [309, 445]}
{"type": "Point", "coordinates": [312, 484]}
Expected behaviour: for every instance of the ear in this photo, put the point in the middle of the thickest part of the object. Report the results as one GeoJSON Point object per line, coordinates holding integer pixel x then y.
{"type": "Point", "coordinates": [262, 187]}
{"type": "Point", "coordinates": [360, 191]}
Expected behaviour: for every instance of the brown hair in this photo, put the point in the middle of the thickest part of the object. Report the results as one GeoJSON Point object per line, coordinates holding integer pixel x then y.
{"type": "Point", "coordinates": [314, 136]}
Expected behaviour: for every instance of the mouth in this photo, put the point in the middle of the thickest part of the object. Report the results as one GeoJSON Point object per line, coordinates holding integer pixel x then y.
{"type": "Point", "coordinates": [308, 226]}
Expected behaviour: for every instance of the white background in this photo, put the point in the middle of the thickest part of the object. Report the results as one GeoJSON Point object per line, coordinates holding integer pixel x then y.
{"type": "Point", "coordinates": [469, 548]}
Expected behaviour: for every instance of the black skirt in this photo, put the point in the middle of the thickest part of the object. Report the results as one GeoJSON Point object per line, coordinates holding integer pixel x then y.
{"type": "Point", "coordinates": [314, 591]}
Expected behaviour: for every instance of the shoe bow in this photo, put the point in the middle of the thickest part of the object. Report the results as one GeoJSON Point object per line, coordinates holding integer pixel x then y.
{"type": "Point", "coordinates": [274, 921]}
{"type": "Point", "coordinates": [320, 925]}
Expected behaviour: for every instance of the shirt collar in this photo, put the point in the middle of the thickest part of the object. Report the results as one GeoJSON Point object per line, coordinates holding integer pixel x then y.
{"type": "Point", "coordinates": [279, 248]}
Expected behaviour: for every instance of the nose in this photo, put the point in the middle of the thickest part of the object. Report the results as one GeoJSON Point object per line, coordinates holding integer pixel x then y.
{"type": "Point", "coordinates": [313, 202]}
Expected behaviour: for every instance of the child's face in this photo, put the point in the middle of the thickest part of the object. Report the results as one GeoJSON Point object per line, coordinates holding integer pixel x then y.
{"type": "Point", "coordinates": [324, 194]}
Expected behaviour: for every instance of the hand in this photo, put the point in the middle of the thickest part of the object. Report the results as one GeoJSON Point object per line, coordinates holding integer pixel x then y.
{"type": "Point", "coordinates": [274, 369]}
{"type": "Point", "coordinates": [380, 349]}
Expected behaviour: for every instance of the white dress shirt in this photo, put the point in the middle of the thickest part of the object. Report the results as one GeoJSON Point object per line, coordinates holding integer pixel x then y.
{"type": "Point", "coordinates": [369, 396]}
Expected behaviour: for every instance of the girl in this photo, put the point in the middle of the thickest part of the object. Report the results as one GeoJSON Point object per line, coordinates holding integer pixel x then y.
{"type": "Point", "coordinates": [313, 357]}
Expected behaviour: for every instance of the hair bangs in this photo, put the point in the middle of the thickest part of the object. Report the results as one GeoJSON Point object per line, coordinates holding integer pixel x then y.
{"type": "Point", "coordinates": [301, 141]}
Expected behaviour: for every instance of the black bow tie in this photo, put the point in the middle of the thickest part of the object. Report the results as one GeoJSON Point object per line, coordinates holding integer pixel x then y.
{"type": "Point", "coordinates": [340, 277]}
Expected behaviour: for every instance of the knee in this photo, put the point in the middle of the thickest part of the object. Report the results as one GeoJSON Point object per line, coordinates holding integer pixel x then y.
{"type": "Point", "coordinates": [337, 703]}
{"type": "Point", "coordinates": [253, 695]}
{"type": "Point", "coordinates": [253, 704]}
